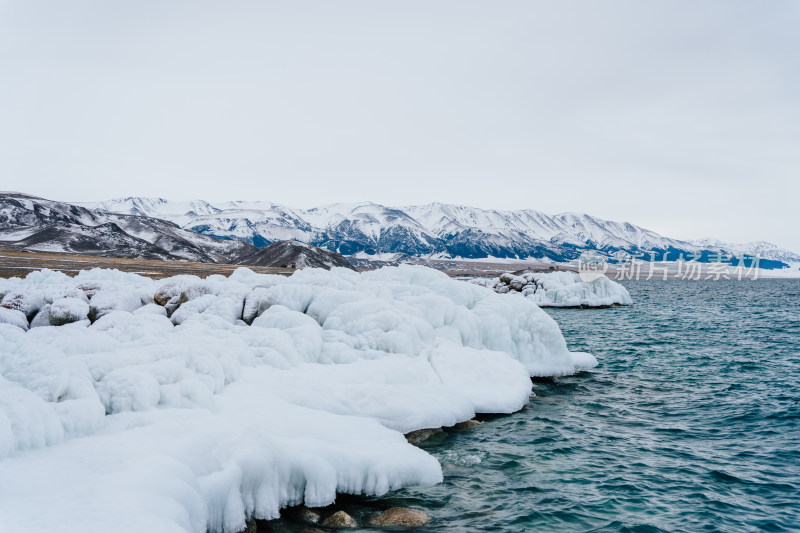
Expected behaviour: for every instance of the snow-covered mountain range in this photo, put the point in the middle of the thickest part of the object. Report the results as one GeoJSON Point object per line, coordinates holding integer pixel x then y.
{"type": "Point", "coordinates": [232, 232]}
{"type": "Point", "coordinates": [432, 230]}
{"type": "Point", "coordinates": [763, 249]}
{"type": "Point", "coordinates": [32, 223]}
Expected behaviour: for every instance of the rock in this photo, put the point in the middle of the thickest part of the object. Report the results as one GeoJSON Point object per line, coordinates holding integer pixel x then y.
{"type": "Point", "coordinates": [193, 291]}
{"type": "Point", "coordinates": [400, 517]}
{"type": "Point", "coordinates": [173, 304]}
{"type": "Point", "coordinates": [151, 309]}
{"type": "Point", "coordinates": [506, 277]}
{"type": "Point", "coordinates": [28, 302]}
{"type": "Point", "coordinates": [302, 514]}
{"type": "Point", "coordinates": [467, 424]}
{"type": "Point", "coordinates": [250, 526]}
{"type": "Point", "coordinates": [517, 283]}
{"type": "Point", "coordinates": [339, 519]}
{"type": "Point", "coordinates": [74, 293]}
{"type": "Point", "coordinates": [169, 291]}
{"type": "Point", "coordinates": [502, 289]}
{"type": "Point", "coordinates": [528, 290]}
{"type": "Point", "coordinates": [89, 289]}
{"type": "Point", "coordinates": [42, 318]}
{"type": "Point", "coordinates": [13, 317]}
{"type": "Point", "coordinates": [163, 295]}
{"type": "Point", "coordinates": [192, 307]}
{"type": "Point", "coordinates": [421, 435]}
{"type": "Point", "coordinates": [68, 310]}
{"type": "Point", "coordinates": [107, 300]}
{"type": "Point", "coordinates": [173, 294]}
{"type": "Point", "coordinates": [257, 301]}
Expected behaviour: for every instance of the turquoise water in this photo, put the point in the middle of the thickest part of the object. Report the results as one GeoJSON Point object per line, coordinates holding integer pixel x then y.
{"type": "Point", "coordinates": [689, 423]}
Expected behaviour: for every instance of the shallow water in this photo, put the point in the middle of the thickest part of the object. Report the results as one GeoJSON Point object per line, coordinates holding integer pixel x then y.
{"type": "Point", "coordinates": [689, 423]}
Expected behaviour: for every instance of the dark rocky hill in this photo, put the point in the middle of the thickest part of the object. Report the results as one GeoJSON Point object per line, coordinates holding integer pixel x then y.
{"type": "Point", "coordinates": [293, 254]}
{"type": "Point", "coordinates": [32, 223]}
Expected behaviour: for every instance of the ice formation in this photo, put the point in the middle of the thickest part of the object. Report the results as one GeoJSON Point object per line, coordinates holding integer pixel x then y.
{"type": "Point", "coordinates": [560, 289]}
{"type": "Point", "coordinates": [188, 404]}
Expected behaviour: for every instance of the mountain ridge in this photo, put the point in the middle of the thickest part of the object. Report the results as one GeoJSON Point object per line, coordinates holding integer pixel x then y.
{"type": "Point", "coordinates": [433, 229]}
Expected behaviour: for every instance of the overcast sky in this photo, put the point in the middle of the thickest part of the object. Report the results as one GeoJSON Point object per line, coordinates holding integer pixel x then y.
{"type": "Point", "coordinates": [683, 117]}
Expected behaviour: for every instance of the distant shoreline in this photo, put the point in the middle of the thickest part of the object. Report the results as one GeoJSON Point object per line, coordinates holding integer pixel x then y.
{"type": "Point", "coordinates": [19, 263]}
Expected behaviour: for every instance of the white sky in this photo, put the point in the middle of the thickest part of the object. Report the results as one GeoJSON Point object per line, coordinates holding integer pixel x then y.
{"type": "Point", "coordinates": [680, 116]}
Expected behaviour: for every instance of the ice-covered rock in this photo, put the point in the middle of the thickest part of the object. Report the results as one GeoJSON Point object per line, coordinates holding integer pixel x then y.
{"type": "Point", "coordinates": [259, 300]}
{"type": "Point", "coordinates": [42, 318]}
{"type": "Point", "coordinates": [151, 309]}
{"type": "Point", "coordinates": [13, 317]}
{"type": "Point", "coordinates": [28, 302]}
{"type": "Point", "coordinates": [199, 422]}
{"type": "Point", "coordinates": [68, 310]}
{"type": "Point", "coordinates": [75, 292]}
{"type": "Point", "coordinates": [560, 289]}
{"type": "Point", "coordinates": [105, 301]}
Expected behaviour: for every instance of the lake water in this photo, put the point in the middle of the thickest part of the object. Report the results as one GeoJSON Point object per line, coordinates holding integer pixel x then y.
{"type": "Point", "coordinates": [689, 423]}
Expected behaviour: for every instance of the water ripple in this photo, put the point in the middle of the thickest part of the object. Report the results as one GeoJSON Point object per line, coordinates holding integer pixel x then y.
{"type": "Point", "coordinates": [690, 423]}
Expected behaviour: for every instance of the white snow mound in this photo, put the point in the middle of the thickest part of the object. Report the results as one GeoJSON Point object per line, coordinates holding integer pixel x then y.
{"type": "Point", "coordinates": [190, 404]}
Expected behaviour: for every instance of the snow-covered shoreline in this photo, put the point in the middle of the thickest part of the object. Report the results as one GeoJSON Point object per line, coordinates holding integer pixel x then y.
{"type": "Point", "coordinates": [187, 404]}
{"type": "Point", "coordinates": [560, 289]}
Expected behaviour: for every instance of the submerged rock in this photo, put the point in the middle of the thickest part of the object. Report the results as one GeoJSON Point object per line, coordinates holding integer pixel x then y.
{"type": "Point", "coordinates": [400, 517]}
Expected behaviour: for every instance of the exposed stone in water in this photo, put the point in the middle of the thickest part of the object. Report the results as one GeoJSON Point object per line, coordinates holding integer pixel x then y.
{"type": "Point", "coordinates": [339, 519]}
{"type": "Point", "coordinates": [302, 514]}
{"type": "Point", "coordinates": [421, 435]}
{"type": "Point", "coordinates": [250, 526]}
{"type": "Point", "coordinates": [400, 517]}
{"type": "Point", "coordinates": [467, 424]}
